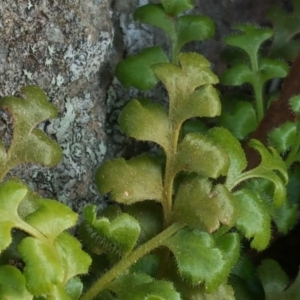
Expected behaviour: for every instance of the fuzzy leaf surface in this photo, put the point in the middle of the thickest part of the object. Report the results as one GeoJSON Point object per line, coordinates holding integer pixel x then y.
{"type": "Point", "coordinates": [41, 259]}
{"type": "Point", "coordinates": [150, 217]}
{"type": "Point", "coordinates": [175, 7]}
{"type": "Point", "coordinates": [155, 15]}
{"type": "Point", "coordinates": [251, 207]}
{"type": "Point", "coordinates": [136, 70]}
{"type": "Point", "coordinates": [193, 28]}
{"type": "Point", "coordinates": [143, 286]}
{"type": "Point", "coordinates": [243, 114]}
{"type": "Point", "coordinates": [295, 103]}
{"type": "Point", "coordinates": [137, 179]}
{"type": "Point", "coordinates": [276, 283]}
{"type": "Point", "coordinates": [249, 39]}
{"type": "Point", "coordinates": [29, 144]}
{"type": "Point", "coordinates": [199, 259]}
{"type": "Point", "coordinates": [203, 102]}
{"type": "Point", "coordinates": [13, 284]}
{"type": "Point", "coordinates": [73, 260]}
{"type": "Point", "coordinates": [270, 162]}
{"type": "Point", "coordinates": [234, 150]}
{"type": "Point", "coordinates": [199, 204]}
{"type": "Point", "coordinates": [51, 218]}
{"type": "Point", "coordinates": [11, 194]}
{"type": "Point", "coordinates": [283, 137]}
{"type": "Point", "coordinates": [104, 235]}
{"type": "Point", "coordinates": [49, 266]}
{"type": "Point", "coordinates": [146, 121]}
{"type": "Point", "coordinates": [181, 83]}
{"type": "Point", "coordinates": [200, 154]}
{"type": "Point", "coordinates": [74, 288]}
{"type": "Point", "coordinates": [267, 69]}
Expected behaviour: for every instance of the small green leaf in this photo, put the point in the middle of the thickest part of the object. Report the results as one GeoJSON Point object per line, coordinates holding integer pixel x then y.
{"type": "Point", "coordinates": [295, 104]}
{"type": "Point", "coordinates": [175, 7]}
{"type": "Point", "coordinates": [250, 39]}
{"type": "Point", "coordinates": [11, 194]}
{"type": "Point", "coordinates": [154, 14]}
{"type": "Point", "coordinates": [136, 70]}
{"type": "Point", "coordinates": [237, 75]}
{"type": "Point", "coordinates": [283, 137]}
{"type": "Point", "coordinates": [198, 204]}
{"type": "Point", "coordinates": [43, 269]}
{"type": "Point", "coordinates": [198, 258]}
{"type": "Point", "coordinates": [150, 217]}
{"type": "Point", "coordinates": [285, 217]}
{"type": "Point", "coordinates": [73, 260]}
{"type": "Point", "coordinates": [148, 264]}
{"type": "Point", "coordinates": [271, 161]}
{"type": "Point", "coordinates": [275, 282]}
{"type": "Point", "coordinates": [51, 218]}
{"type": "Point", "coordinates": [142, 286]}
{"type": "Point", "coordinates": [74, 288]}
{"type": "Point", "coordinates": [193, 28]}
{"type": "Point", "coordinates": [13, 284]}
{"type": "Point", "coordinates": [146, 121]}
{"type": "Point", "coordinates": [251, 207]}
{"type": "Point", "coordinates": [200, 154]}
{"type": "Point", "coordinates": [233, 148]}
{"type": "Point", "coordinates": [272, 168]}
{"type": "Point", "coordinates": [203, 102]}
{"type": "Point", "coordinates": [29, 144]}
{"type": "Point", "coordinates": [271, 68]}
{"type": "Point", "coordinates": [242, 114]}
{"type": "Point", "coordinates": [137, 179]}
{"type": "Point", "coordinates": [103, 235]}
{"type": "Point", "coordinates": [182, 82]}
{"type": "Point", "coordinates": [267, 69]}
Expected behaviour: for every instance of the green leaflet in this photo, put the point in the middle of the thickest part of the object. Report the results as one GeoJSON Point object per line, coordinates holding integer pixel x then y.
{"type": "Point", "coordinates": [199, 205]}
{"type": "Point", "coordinates": [181, 83]}
{"type": "Point", "coordinates": [250, 38]}
{"type": "Point", "coordinates": [285, 27]}
{"type": "Point", "coordinates": [143, 286]}
{"type": "Point", "coordinates": [175, 7]}
{"type": "Point", "coordinates": [267, 69]}
{"type": "Point", "coordinates": [13, 284]}
{"type": "Point", "coordinates": [74, 288]}
{"type": "Point", "coordinates": [29, 144]}
{"type": "Point", "coordinates": [60, 216]}
{"type": "Point", "coordinates": [295, 103]}
{"type": "Point", "coordinates": [137, 179]}
{"type": "Point", "coordinates": [243, 114]}
{"type": "Point", "coordinates": [231, 146]}
{"type": "Point", "coordinates": [136, 70]}
{"type": "Point", "coordinates": [150, 217]}
{"type": "Point", "coordinates": [276, 283]}
{"type": "Point", "coordinates": [119, 234]}
{"type": "Point", "coordinates": [199, 258]}
{"type": "Point", "coordinates": [283, 137]}
{"type": "Point", "coordinates": [200, 154]}
{"type": "Point", "coordinates": [193, 28]}
{"type": "Point", "coordinates": [251, 207]}
{"type": "Point", "coordinates": [11, 194]}
{"type": "Point", "coordinates": [155, 15]}
{"type": "Point", "coordinates": [146, 121]}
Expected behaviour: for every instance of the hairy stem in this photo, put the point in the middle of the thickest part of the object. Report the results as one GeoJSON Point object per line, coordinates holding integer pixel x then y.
{"type": "Point", "coordinates": [294, 151]}
{"type": "Point", "coordinates": [102, 283]}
